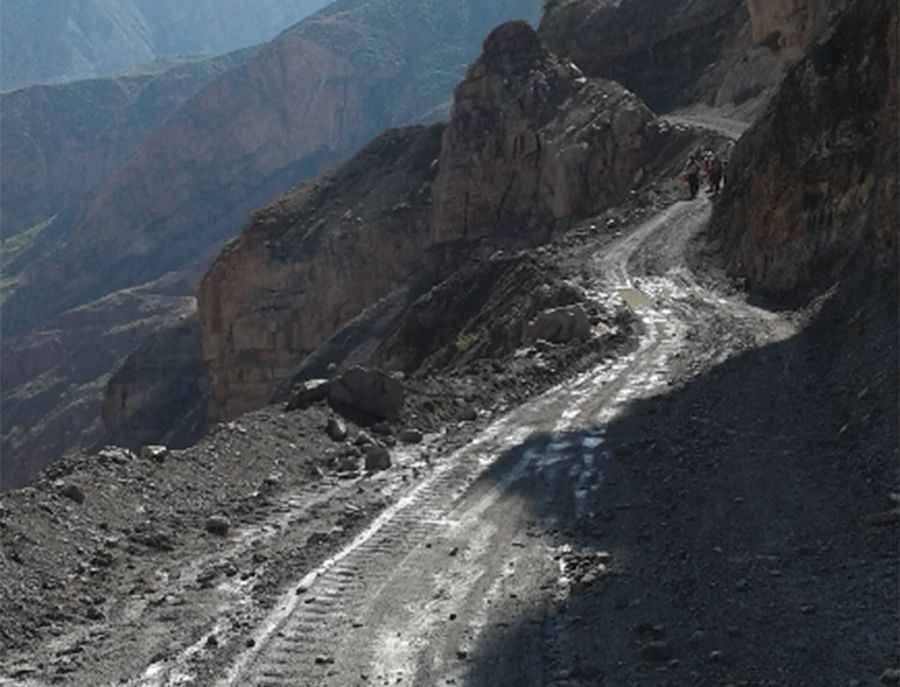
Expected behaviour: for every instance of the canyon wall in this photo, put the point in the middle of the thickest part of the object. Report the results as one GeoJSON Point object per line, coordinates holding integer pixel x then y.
{"type": "Point", "coordinates": [295, 107]}
{"type": "Point", "coordinates": [812, 187]}
{"type": "Point", "coordinates": [531, 144]}
{"type": "Point", "coordinates": [312, 261]}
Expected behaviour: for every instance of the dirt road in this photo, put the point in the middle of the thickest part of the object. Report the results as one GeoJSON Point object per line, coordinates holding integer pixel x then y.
{"type": "Point", "coordinates": [408, 600]}
{"type": "Point", "coordinates": [481, 574]}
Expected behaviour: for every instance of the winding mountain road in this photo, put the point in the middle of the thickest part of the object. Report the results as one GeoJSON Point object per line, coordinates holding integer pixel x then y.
{"type": "Point", "coordinates": [421, 596]}
{"type": "Point", "coordinates": [408, 602]}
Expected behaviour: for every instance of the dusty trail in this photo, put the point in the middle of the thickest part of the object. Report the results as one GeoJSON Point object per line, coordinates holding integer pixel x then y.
{"type": "Point", "coordinates": [408, 600]}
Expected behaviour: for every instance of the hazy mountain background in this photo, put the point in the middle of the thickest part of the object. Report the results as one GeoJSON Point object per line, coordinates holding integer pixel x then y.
{"type": "Point", "coordinates": [46, 41]}
{"type": "Point", "coordinates": [118, 192]}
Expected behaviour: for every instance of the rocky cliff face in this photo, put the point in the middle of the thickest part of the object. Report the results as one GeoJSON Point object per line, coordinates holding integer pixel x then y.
{"type": "Point", "coordinates": [790, 26]}
{"type": "Point", "coordinates": [813, 185]}
{"type": "Point", "coordinates": [311, 97]}
{"type": "Point", "coordinates": [531, 145]}
{"type": "Point", "coordinates": [91, 38]}
{"type": "Point", "coordinates": [311, 262]}
{"type": "Point", "coordinates": [662, 55]}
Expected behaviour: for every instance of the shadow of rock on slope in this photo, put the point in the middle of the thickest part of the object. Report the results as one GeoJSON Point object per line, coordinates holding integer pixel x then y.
{"type": "Point", "coordinates": [747, 519]}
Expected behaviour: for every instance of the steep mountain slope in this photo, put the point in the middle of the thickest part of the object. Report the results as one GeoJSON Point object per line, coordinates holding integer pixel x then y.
{"type": "Point", "coordinates": [309, 98]}
{"type": "Point", "coordinates": [655, 53]}
{"type": "Point", "coordinates": [88, 38]}
{"type": "Point", "coordinates": [531, 146]}
{"type": "Point", "coordinates": [703, 493]}
{"type": "Point", "coordinates": [59, 142]}
{"type": "Point", "coordinates": [813, 185]}
{"type": "Point", "coordinates": [729, 55]}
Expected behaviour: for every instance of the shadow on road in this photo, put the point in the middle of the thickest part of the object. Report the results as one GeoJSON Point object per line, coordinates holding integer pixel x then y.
{"type": "Point", "coordinates": [740, 530]}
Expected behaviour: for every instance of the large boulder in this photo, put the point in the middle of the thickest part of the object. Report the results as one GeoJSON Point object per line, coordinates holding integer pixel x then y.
{"type": "Point", "coordinates": [559, 325]}
{"type": "Point", "coordinates": [309, 392]}
{"type": "Point", "coordinates": [377, 458]}
{"type": "Point", "coordinates": [370, 392]}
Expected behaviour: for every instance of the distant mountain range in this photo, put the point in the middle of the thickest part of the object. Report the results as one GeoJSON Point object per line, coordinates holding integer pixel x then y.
{"type": "Point", "coordinates": [50, 41]}
{"type": "Point", "coordinates": [106, 243]}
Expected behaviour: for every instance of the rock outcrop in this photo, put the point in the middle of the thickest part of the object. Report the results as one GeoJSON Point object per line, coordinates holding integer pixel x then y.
{"type": "Point", "coordinates": [312, 96]}
{"type": "Point", "coordinates": [371, 392]}
{"type": "Point", "coordinates": [790, 26]}
{"type": "Point", "coordinates": [663, 55]}
{"type": "Point", "coordinates": [730, 55]}
{"type": "Point", "coordinates": [532, 144]}
{"type": "Point", "coordinates": [482, 311]}
{"type": "Point", "coordinates": [813, 185]}
{"type": "Point", "coordinates": [311, 262]}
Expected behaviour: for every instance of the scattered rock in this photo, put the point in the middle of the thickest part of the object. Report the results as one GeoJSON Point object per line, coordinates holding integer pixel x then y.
{"type": "Point", "coordinates": [411, 436]}
{"type": "Point", "coordinates": [308, 393]}
{"type": "Point", "coordinates": [317, 538]}
{"type": "Point", "coordinates": [157, 454]}
{"type": "Point", "coordinates": [70, 491]}
{"type": "Point", "coordinates": [383, 429]}
{"type": "Point", "coordinates": [218, 525]}
{"type": "Point", "coordinates": [115, 454]}
{"type": "Point", "coordinates": [377, 458]}
{"type": "Point", "coordinates": [559, 325]}
{"type": "Point", "coordinates": [468, 414]}
{"type": "Point", "coordinates": [891, 676]}
{"type": "Point", "coordinates": [371, 392]}
{"type": "Point", "coordinates": [102, 559]}
{"type": "Point", "coordinates": [363, 440]}
{"type": "Point", "coordinates": [23, 670]}
{"type": "Point", "coordinates": [336, 429]}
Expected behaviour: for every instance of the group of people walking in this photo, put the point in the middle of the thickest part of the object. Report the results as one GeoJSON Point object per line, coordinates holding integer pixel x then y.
{"type": "Point", "coordinates": [710, 165]}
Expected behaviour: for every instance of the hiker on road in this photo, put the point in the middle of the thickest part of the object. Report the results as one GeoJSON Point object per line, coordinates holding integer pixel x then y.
{"type": "Point", "coordinates": [692, 174]}
{"type": "Point", "coordinates": [714, 174]}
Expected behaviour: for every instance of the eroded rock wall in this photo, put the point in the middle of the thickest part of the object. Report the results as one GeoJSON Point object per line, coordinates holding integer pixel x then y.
{"type": "Point", "coordinates": [299, 104]}
{"type": "Point", "coordinates": [790, 26]}
{"type": "Point", "coordinates": [813, 185]}
{"type": "Point", "coordinates": [661, 53]}
{"type": "Point", "coordinates": [532, 144]}
{"type": "Point", "coordinates": [311, 262]}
